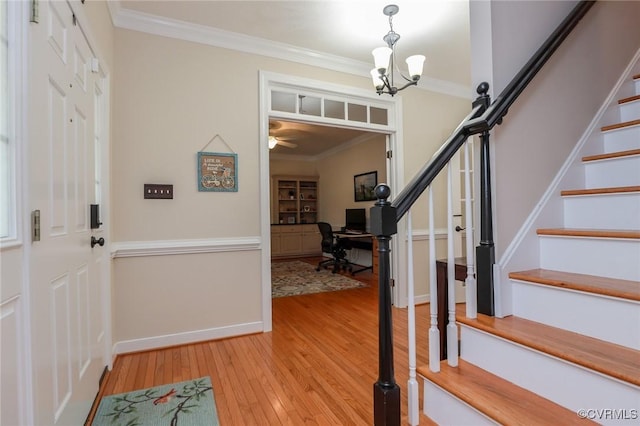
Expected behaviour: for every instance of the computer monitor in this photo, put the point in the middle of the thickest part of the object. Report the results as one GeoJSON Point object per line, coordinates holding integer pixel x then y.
{"type": "Point", "coordinates": [355, 220]}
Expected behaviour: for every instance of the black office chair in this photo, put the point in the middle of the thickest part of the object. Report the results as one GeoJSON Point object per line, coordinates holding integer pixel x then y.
{"type": "Point", "coordinates": [336, 247]}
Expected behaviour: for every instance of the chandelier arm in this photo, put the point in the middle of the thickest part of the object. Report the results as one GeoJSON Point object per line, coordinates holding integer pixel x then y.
{"type": "Point", "coordinates": [394, 64]}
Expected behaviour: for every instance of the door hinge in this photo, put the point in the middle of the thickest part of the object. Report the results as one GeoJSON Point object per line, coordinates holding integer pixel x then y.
{"type": "Point", "coordinates": [35, 225]}
{"type": "Point", "coordinates": [389, 154]}
{"type": "Point", "coordinates": [392, 282]}
{"type": "Point", "coordinates": [35, 18]}
{"type": "Point", "coordinates": [75, 20]}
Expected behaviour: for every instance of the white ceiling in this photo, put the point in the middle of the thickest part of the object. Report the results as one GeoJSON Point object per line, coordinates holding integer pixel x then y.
{"type": "Point", "coordinates": [347, 30]}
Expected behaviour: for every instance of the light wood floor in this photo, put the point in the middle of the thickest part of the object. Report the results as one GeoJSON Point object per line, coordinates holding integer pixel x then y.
{"type": "Point", "coordinates": [316, 367]}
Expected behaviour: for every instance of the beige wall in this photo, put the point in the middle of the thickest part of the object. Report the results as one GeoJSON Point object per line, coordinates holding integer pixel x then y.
{"type": "Point", "coordinates": [337, 172]}
{"type": "Point", "coordinates": [165, 295]}
{"type": "Point", "coordinates": [170, 98]}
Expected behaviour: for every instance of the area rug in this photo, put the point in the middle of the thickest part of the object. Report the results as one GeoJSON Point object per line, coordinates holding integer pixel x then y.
{"type": "Point", "coordinates": [189, 403]}
{"type": "Point", "coordinates": [296, 277]}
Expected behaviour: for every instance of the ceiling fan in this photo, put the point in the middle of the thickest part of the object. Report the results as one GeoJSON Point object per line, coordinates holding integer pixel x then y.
{"type": "Point", "coordinates": [279, 136]}
{"type": "Point", "coordinates": [274, 140]}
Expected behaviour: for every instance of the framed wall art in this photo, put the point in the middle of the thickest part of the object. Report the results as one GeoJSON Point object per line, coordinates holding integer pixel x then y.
{"type": "Point", "coordinates": [217, 172]}
{"type": "Point", "coordinates": [363, 186]}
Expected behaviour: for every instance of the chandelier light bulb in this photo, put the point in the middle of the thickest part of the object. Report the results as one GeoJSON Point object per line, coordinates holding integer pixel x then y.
{"type": "Point", "coordinates": [377, 81]}
{"type": "Point", "coordinates": [381, 56]}
{"type": "Point", "coordinates": [415, 64]}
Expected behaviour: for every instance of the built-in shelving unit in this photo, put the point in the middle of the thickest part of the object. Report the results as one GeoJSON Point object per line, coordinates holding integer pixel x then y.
{"type": "Point", "coordinates": [295, 200]}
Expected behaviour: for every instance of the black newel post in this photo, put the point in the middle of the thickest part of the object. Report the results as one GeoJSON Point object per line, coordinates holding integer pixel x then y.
{"type": "Point", "coordinates": [485, 252]}
{"type": "Point", "coordinates": [386, 393]}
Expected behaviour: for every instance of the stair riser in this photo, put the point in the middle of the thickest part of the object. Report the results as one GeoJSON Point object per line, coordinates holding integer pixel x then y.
{"type": "Point", "coordinates": [564, 383]}
{"type": "Point", "coordinates": [630, 111]}
{"type": "Point", "coordinates": [637, 84]}
{"type": "Point", "coordinates": [606, 211]}
{"type": "Point", "coordinates": [613, 172]}
{"type": "Point", "coordinates": [592, 256]}
{"type": "Point", "coordinates": [445, 409]}
{"type": "Point", "coordinates": [592, 315]}
{"type": "Point", "coordinates": [621, 139]}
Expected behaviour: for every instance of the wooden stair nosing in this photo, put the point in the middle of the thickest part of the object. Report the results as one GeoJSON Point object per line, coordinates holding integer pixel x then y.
{"type": "Point", "coordinates": [596, 191]}
{"type": "Point", "coordinates": [620, 125]}
{"type": "Point", "coordinates": [604, 286]}
{"type": "Point", "coordinates": [629, 99]}
{"type": "Point", "coordinates": [498, 399]}
{"type": "Point", "coordinates": [618, 154]}
{"type": "Point", "coordinates": [606, 358]}
{"type": "Point", "coordinates": [630, 234]}
{"type": "Point", "coordinates": [636, 77]}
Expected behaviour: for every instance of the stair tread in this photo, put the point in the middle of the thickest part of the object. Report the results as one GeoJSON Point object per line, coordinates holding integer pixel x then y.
{"type": "Point", "coordinates": [607, 358]}
{"type": "Point", "coordinates": [596, 233]}
{"type": "Point", "coordinates": [499, 399]}
{"type": "Point", "coordinates": [618, 154]}
{"type": "Point", "coordinates": [629, 99]}
{"type": "Point", "coordinates": [613, 287]}
{"type": "Point", "coordinates": [636, 77]}
{"type": "Point", "coordinates": [620, 125]}
{"type": "Point", "coordinates": [608, 190]}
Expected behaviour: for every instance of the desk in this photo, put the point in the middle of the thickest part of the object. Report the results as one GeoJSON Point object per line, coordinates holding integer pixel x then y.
{"type": "Point", "coordinates": [361, 241]}
{"type": "Point", "coordinates": [443, 296]}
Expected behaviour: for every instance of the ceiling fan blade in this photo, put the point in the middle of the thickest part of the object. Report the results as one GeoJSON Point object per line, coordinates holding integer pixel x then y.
{"type": "Point", "coordinates": [287, 144]}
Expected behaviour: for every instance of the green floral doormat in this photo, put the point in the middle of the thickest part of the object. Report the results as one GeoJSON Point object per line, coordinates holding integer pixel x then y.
{"type": "Point", "coordinates": [189, 403]}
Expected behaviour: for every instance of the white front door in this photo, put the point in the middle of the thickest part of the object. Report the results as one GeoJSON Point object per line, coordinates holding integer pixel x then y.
{"type": "Point", "coordinates": [67, 327]}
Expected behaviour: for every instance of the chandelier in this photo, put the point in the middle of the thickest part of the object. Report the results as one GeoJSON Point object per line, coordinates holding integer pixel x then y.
{"type": "Point", "coordinates": [384, 59]}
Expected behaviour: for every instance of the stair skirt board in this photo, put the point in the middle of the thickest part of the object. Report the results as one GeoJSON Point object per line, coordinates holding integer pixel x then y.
{"type": "Point", "coordinates": [445, 409]}
{"type": "Point", "coordinates": [589, 314]}
{"type": "Point", "coordinates": [603, 211]}
{"type": "Point", "coordinates": [622, 139]}
{"type": "Point", "coordinates": [612, 172]}
{"type": "Point", "coordinates": [605, 257]}
{"type": "Point", "coordinates": [567, 384]}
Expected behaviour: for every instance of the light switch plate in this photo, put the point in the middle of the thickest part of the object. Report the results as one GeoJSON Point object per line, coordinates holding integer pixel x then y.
{"type": "Point", "coordinates": [158, 191]}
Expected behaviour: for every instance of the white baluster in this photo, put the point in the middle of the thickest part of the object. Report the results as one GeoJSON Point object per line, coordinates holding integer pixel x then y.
{"type": "Point", "coordinates": [452, 329]}
{"type": "Point", "coordinates": [412, 384]}
{"type": "Point", "coordinates": [470, 281]}
{"type": "Point", "coordinates": [434, 333]}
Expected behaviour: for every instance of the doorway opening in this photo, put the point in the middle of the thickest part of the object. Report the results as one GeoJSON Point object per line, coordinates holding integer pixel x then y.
{"type": "Point", "coordinates": [294, 104]}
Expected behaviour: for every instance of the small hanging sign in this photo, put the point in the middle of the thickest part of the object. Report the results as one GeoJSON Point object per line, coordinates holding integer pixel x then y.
{"type": "Point", "coordinates": [217, 172]}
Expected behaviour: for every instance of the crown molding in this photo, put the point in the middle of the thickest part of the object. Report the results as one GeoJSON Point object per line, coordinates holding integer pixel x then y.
{"type": "Point", "coordinates": [181, 30]}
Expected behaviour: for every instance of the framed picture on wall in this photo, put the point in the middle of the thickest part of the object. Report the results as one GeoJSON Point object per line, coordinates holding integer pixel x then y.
{"type": "Point", "coordinates": [217, 172]}
{"type": "Point", "coordinates": [363, 186]}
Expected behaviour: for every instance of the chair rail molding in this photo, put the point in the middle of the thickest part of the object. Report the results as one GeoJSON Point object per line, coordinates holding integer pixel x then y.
{"type": "Point", "coordinates": [191, 246]}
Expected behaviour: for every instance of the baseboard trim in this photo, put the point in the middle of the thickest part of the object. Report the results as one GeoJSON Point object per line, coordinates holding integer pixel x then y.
{"type": "Point", "coordinates": [156, 342]}
{"type": "Point", "coordinates": [173, 247]}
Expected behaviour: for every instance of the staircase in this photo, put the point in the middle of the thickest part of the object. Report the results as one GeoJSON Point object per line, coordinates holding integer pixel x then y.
{"type": "Point", "coordinates": [570, 353]}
